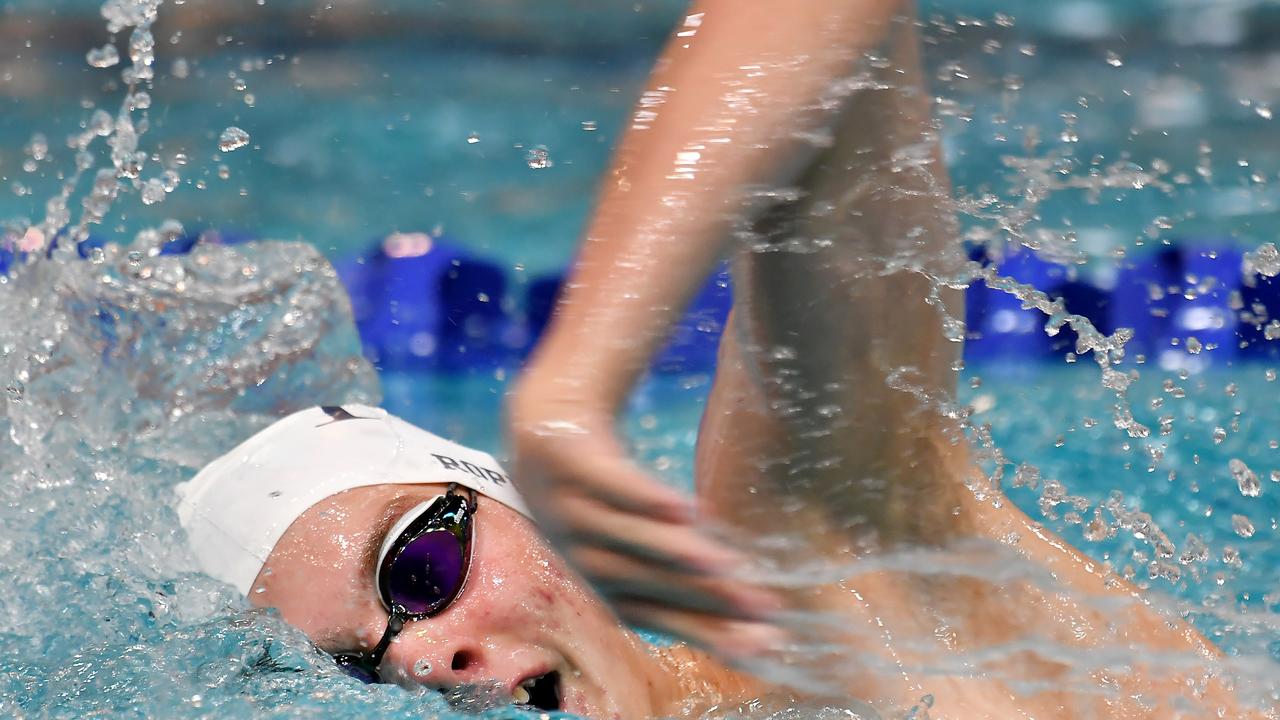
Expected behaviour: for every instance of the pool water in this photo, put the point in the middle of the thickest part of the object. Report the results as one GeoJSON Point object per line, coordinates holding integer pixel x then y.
{"type": "Point", "coordinates": [117, 389]}
{"type": "Point", "coordinates": [102, 613]}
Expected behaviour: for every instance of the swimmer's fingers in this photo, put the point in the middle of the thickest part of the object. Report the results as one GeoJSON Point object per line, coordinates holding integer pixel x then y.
{"type": "Point", "coordinates": [655, 543]}
{"type": "Point", "coordinates": [622, 579]}
{"type": "Point", "coordinates": [587, 457]}
{"type": "Point", "coordinates": [730, 639]}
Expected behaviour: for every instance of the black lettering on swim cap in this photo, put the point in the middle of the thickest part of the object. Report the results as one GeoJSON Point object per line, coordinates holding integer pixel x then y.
{"type": "Point", "coordinates": [483, 473]}
{"type": "Point", "coordinates": [472, 469]}
{"type": "Point", "coordinates": [448, 462]}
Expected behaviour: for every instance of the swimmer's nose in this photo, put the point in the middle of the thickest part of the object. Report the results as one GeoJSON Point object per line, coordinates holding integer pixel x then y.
{"type": "Point", "coordinates": [444, 663]}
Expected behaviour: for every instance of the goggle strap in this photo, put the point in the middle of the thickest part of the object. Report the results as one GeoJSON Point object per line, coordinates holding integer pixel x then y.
{"type": "Point", "coordinates": [395, 624]}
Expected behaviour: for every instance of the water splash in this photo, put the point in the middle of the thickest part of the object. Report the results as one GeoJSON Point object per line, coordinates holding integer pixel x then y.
{"type": "Point", "coordinates": [281, 670]}
{"type": "Point", "coordinates": [103, 57]}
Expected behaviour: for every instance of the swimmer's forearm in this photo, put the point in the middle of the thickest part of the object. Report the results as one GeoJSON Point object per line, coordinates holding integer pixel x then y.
{"type": "Point", "coordinates": [728, 94]}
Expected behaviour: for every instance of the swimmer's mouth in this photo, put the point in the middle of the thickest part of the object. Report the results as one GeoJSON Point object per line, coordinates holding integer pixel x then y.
{"type": "Point", "coordinates": [540, 691]}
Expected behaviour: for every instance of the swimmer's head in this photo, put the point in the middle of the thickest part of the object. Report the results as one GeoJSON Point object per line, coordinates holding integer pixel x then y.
{"type": "Point", "coordinates": [298, 517]}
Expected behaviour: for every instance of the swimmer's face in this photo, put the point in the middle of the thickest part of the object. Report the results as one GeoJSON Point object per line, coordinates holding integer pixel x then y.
{"type": "Point", "coordinates": [521, 615]}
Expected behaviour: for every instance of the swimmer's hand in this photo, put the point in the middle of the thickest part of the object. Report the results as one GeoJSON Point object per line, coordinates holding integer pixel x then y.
{"type": "Point", "coordinates": [634, 539]}
{"type": "Point", "coordinates": [720, 117]}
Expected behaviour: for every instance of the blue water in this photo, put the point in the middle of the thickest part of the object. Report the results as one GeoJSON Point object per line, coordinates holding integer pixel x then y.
{"type": "Point", "coordinates": [356, 137]}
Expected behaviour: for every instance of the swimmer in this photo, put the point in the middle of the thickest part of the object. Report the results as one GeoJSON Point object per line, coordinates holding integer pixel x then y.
{"type": "Point", "coordinates": [413, 560]}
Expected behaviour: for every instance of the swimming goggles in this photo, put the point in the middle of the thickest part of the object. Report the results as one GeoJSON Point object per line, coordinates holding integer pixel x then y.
{"type": "Point", "coordinates": [421, 568]}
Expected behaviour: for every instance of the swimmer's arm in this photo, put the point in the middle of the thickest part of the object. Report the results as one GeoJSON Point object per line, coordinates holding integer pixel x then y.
{"type": "Point", "coordinates": [736, 79]}
{"type": "Point", "coordinates": [837, 373]}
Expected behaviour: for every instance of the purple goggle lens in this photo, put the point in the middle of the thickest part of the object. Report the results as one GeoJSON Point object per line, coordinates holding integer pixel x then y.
{"type": "Point", "coordinates": [426, 574]}
{"type": "Point", "coordinates": [424, 562]}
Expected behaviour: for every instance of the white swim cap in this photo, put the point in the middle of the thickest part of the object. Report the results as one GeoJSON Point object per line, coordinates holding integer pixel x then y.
{"type": "Point", "coordinates": [239, 506]}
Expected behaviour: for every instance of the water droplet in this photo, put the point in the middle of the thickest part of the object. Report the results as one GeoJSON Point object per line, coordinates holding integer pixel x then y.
{"type": "Point", "coordinates": [233, 138]}
{"type": "Point", "coordinates": [103, 57]}
{"type": "Point", "coordinates": [589, 125]}
{"type": "Point", "coordinates": [538, 159]}
{"type": "Point", "coordinates": [473, 138]}
{"type": "Point", "coordinates": [1263, 110]}
{"type": "Point", "coordinates": [180, 69]}
{"type": "Point", "coordinates": [170, 179]}
{"type": "Point", "coordinates": [1231, 557]}
{"type": "Point", "coordinates": [1113, 59]}
{"type": "Point", "coordinates": [142, 48]}
{"type": "Point", "coordinates": [1245, 478]}
{"type": "Point", "coordinates": [1219, 434]}
{"type": "Point", "coordinates": [1242, 526]}
{"type": "Point", "coordinates": [422, 667]}
{"type": "Point", "coordinates": [1193, 345]}
{"type": "Point", "coordinates": [152, 191]}
{"type": "Point", "coordinates": [38, 147]}
{"type": "Point", "coordinates": [1263, 261]}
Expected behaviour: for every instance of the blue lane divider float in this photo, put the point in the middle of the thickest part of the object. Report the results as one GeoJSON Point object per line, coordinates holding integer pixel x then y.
{"type": "Point", "coordinates": [1142, 300]}
{"type": "Point", "coordinates": [1259, 308]}
{"type": "Point", "coordinates": [695, 338]}
{"type": "Point", "coordinates": [1177, 300]}
{"type": "Point", "coordinates": [1205, 325]}
{"type": "Point", "coordinates": [999, 327]}
{"type": "Point", "coordinates": [422, 302]}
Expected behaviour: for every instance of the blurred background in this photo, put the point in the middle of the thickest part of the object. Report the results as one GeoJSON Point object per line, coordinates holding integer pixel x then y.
{"type": "Point", "coordinates": [1120, 155]}
{"type": "Point", "coordinates": [1101, 133]}
{"type": "Point", "coordinates": [372, 116]}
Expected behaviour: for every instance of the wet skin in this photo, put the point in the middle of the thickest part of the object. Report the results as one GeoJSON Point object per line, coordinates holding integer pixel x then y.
{"type": "Point", "coordinates": [521, 613]}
